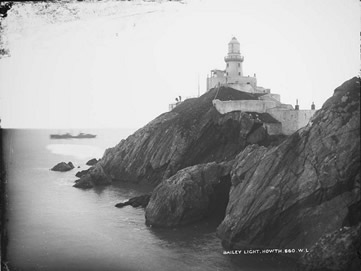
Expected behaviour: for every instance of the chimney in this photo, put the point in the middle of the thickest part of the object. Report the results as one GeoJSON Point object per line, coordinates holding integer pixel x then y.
{"type": "Point", "coordinates": [297, 107]}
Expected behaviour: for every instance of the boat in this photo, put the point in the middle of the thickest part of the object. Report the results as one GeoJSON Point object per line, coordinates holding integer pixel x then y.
{"type": "Point", "coordinates": [67, 136]}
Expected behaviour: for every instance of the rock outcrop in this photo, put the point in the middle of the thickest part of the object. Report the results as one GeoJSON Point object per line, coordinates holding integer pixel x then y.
{"type": "Point", "coordinates": [92, 162]}
{"type": "Point", "coordinates": [336, 251]}
{"type": "Point", "coordinates": [139, 201]}
{"type": "Point", "coordinates": [192, 133]}
{"type": "Point", "coordinates": [62, 167]}
{"type": "Point", "coordinates": [188, 196]}
{"type": "Point", "coordinates": [82, 173]}
{"type": "Point", "coordinates": [290, 195]}
{"type": "Point", "coordinates": [95, 176]}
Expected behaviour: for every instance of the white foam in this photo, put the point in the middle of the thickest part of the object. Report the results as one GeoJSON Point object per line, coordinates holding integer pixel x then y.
{"type": "Point", "coordinates": [78, 151]}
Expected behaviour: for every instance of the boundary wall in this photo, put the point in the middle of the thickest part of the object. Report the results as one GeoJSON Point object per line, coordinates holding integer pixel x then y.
{"type": "Point", "coordinates": [290, 119]}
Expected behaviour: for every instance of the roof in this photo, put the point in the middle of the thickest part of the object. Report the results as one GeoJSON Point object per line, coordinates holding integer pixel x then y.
{"type": "Point", "coordinates": [234, 40]}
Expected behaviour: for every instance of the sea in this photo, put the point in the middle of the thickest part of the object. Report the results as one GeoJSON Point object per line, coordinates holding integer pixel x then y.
{"type": "Point", "coordinates": [53, 226]}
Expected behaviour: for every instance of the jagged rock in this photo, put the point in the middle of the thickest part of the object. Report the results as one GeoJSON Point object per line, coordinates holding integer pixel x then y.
{"type": "Point", "coordinates": [141, 201]}
{"type": "Point", "coordinates": [92, 162]}
{"type": "Point", "coordinates": [186, 197]}
{"type": "Point", "coordinates": [62, 167]}
{"type": "Point", "coordinates": [290, 195]}
{"type": "Point", "coordinates": [95, 176]}
{"type": "Point", "coordinates": [81, 173]}
{"type": "Point", "coordinates": [192, 133]}
{"type": "Point", "coordinates": [84, 182]}
{"type": "Point", "coordinates": [336, 251]}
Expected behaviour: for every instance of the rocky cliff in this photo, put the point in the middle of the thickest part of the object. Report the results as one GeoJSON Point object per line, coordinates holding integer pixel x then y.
{"type": "Point", "coordinates": [190, 195]}
{"type": "Point", "coordinates": [192, 133]}
{"type": "Point", "coordinates": [292, 194]}
{"type": "Point", "coordinates": [303, 193]}
{"type": "Point", "coordinates": [334, 251]}
{"type": "Point", "coordinates": [287, 195]}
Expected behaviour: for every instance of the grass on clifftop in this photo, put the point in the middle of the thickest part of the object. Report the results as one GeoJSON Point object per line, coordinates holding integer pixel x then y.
{"type": "Point", "coordinates": [192, 109]}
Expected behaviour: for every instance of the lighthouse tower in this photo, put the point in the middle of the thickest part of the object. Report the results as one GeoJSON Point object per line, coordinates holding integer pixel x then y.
{"type": "Point", "coordinates": [234, 62]}
{"type": "Point", "coordinates": [233, 76]}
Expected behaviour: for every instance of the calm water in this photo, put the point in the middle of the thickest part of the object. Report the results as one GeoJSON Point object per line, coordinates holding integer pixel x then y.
{"type": "Point", "coordinates": [53, 226]}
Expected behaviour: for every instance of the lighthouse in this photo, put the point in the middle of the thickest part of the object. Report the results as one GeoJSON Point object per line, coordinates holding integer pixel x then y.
{"type": "Point", "coordinates": [233, 76]}
{"type": "Point", "coordinates": [283, 118]}
{"type": "Point", "coordinates": [234, 61]}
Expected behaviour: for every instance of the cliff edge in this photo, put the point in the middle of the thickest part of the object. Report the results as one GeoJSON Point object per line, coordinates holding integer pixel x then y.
{"type": "Point", "coordinates": [290, 195]}
{"type": "Point", "coordinates": [300, 193]}
{"type": "Point", "coordinates": [192, 133]}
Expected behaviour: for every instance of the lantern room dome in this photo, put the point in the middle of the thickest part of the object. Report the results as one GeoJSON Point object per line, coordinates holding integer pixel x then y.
{"type": "Point", "coordinates": [233, 46]}
{"type": "Point", "coordinates": [234, 40]}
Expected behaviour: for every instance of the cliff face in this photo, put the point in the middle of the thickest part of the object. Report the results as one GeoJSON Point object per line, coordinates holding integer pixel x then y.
{"type": "Point", "coordinates": [334, 251]}
{"type": "Point", "coordinates": [284, 196]}
{"type": "Point", "coordinates": [292, 194]}
{"type": "Point", "coordinates": [190, 195]}
{"type": "Point", "coordinates": [193, 133]}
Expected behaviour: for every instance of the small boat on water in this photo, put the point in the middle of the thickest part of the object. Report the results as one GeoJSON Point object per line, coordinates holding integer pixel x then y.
{"type": "Point", "coordinates": [67, 136]}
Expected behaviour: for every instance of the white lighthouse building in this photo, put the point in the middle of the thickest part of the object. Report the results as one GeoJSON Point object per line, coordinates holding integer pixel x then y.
{"type": "Point", "coordinates": [234, 61]}
{"type": "Point", "coordinates": [233, 76]}
{"type": "Point", "coordinates": [288, 119]}
{"type": "Point", "coordinates": [282, 118]}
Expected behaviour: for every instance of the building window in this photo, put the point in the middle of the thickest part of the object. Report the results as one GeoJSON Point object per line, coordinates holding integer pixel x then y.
{"type": "Point", "coordinates": [227, 73]}
{"type": "Point", "coordinates": [239, 73]}
{"type": "Point", "coordinates": [239, 65]}
{"type": "Point", "coordinates": [227, 65]}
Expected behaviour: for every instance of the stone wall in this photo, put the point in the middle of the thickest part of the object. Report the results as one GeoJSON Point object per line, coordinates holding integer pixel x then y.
{"type": "Point", "coordinates": [273, 128]}
{"type": "Point", "coordinates": [292, 120]}
{"type": "Point", "coordinates": [213, 82]}
{"type": "Point", "coordinates": [243, 80]}
{"type": "Point", "coordinates": [258, 106]}
{"type": "Point", "coordinates": [271, 96]}
{"type": "Point", "coordinates": [244, 88]}
{"type": "Point", "coordinates": [264, 90]}
{"type": "Point", "coordinates": [243, 83]}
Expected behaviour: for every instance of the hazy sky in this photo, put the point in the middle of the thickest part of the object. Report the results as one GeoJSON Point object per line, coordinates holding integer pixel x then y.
{"type": "Point", "coordinates": [119, 64]}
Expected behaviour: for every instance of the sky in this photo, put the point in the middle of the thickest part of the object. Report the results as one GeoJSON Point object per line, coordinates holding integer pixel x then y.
{"type": "Point", "coordinates": [120, 64]}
